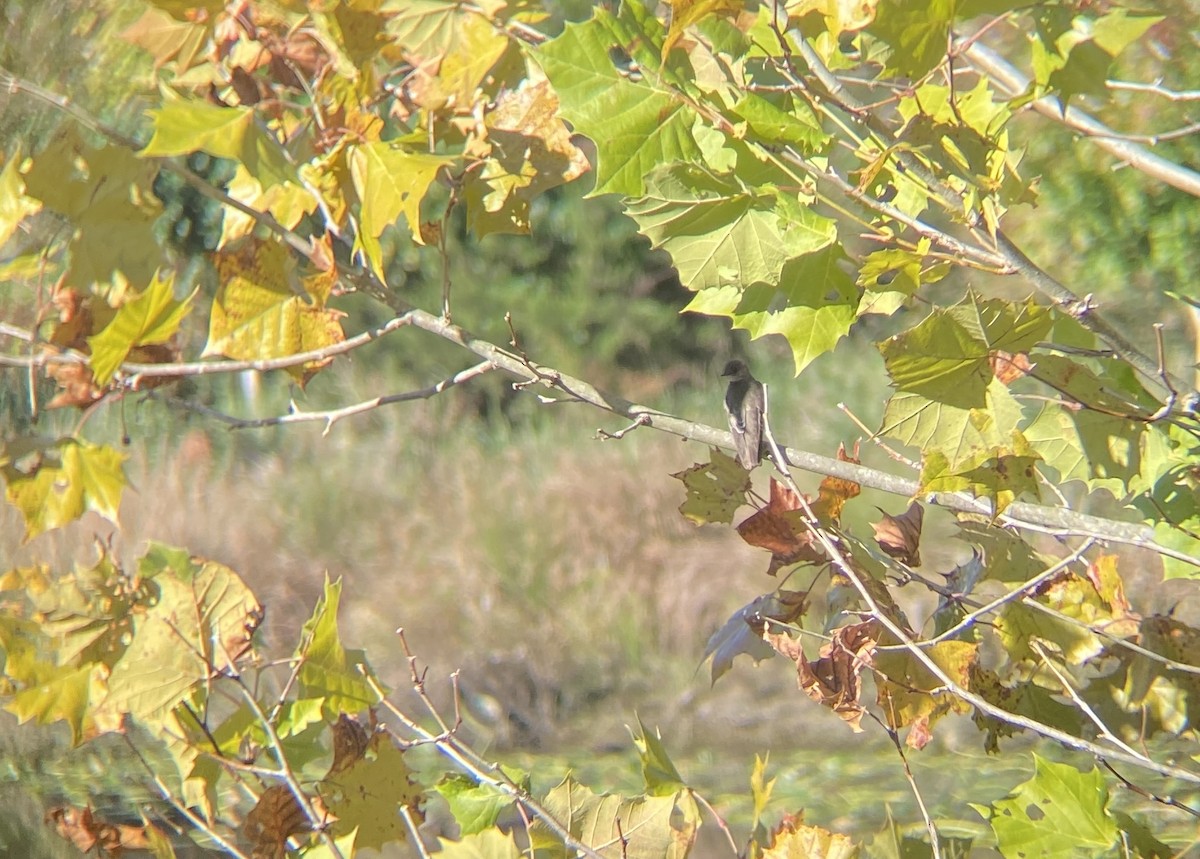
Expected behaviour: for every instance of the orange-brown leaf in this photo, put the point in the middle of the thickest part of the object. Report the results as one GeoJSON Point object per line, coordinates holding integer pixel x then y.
{"type": "Point", "coordinates": [275, 819]}
{"type": "Point", "coordinates": [81, 828]}
{"type": "Point", "coordinates": [1008, 367]}
{"type": "Point", "coordinates": [833, 680]}
{"type": "Point", "coordinates": [900, 536]}
{"type": "Point", "coordinates": [834, 492]}
{"type": "Point", "coordinates": [780, 530]}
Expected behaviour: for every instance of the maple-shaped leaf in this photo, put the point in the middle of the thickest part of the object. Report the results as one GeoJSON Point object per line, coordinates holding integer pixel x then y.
{"type": "Point", "coordinates": [1023, 698]}
{"type": "Point", "coordinates": [780, 529]}
{"type": "Point", "coordinates": [636, 125]}
{"type": "Point", "coordinates": [492, 843]}
{"type": "Point", "coordinates": [182, 126]}
{"type": "Point", "coordinates": [173, 43]}
{"type": "Point", "coordinates": [151, 318]}
{"type": "Point", "coordinates": [105, 195]}
{"type": "Point", "coordinates": [715, 489]}
{"type": "Point", "coordinates": [390, 182]}
{"type": "Point", "coordinates": [794, 839]}
{"type": "Point", "coordinates": [89, 833]}
{"type": "Point", "coordinates": [662, 826]}
{"type": "Point", "coordinates": [743, 632]}
{"type": "Point", "coordinates": [834, 492]}
{"type": "Point", "coordinates": [833, 680]}
{"type": "Point", "coordinates": [900, 536]}
{"type": "Point", "coordinates": [474, 806]}
{"type": "Point", "coordinates": [658, 772]}
{"type": "Point", "coordinates": [946, 358]}
{"type": "Point", "coordinates": [905, 685]}
{"type": "Point", "coordinates": [367, 795]}
{"type": "Point", "coordinates": [328, 670]}
{"type": "Point", "coordinates": [1059, 812]}
{"type": "Point", "coordinates": [529, 152]}
{"type": "Point", "coordinates": [56, 483]}
{"type": "Point", "coordinates": [258, 315]}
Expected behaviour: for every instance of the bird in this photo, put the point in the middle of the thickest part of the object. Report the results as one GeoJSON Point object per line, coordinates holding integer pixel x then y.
{"type": "Point", "coordinates": [745, 402]}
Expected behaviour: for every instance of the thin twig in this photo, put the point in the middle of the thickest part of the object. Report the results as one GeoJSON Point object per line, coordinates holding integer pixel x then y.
{"type": "Point", "coordinates": [935, 842]}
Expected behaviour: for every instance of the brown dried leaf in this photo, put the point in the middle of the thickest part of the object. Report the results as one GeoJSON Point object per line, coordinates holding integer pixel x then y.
{"type": "Point", "coordinates": [834, 492]}
{"type": "Point", "coordinates": [919, 734]}
{"type": "Point", "coordinates": [1008, 367]}
{"type": "Point", "coordinates": [82, 829]}
{"type": "Point", "coordinates": [833, 680]}
{"type": "Point", "coordinates": [900, 536]}
{"type": "Point", "coordinates": [780, 529]}
{"type": "Point", "coordinates": [350, 741]}
{"type": "Point", "coordinates": [275, 819]}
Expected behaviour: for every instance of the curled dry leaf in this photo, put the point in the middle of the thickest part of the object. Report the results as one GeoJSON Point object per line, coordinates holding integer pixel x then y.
{"type": "Point", "coordinates": [834, 492]}
{"type": "Point", "coordinates": [350, 741]}
{"type": "Point", "coordinates": [833, 680]}
{"type": "Point", "coordinates": [779, 528]}
{"type": "Point", "coordinates": [275, 819]}
{"type": "Point", "coordinates": [900, 536]}
{"type": "Point", "coordinates": [81, 828]}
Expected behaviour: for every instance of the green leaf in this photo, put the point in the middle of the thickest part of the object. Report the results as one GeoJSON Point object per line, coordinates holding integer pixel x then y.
{"type": "Point", "coordinates": [64, 480]}
{"type": "Point", "coordinates": [961, 436]}
{"type": "Point", "coordinates": [658, 772]}
{"type": "Point", "coordinates": [153, 317]}
{"type": "Point", "coordinates": [14, 205]}
{"type": "Point", "coordinates": [636, 126]}
{"type": "Point", "coordinates": [643, 827]}
{"type": "Point", "coordinates": [916, 32]}
{"type": "Point", "coordinates": [819, 305]}
{"type": "Point", "coordinates": [390, 182]}
{"type": "Point", "coordinates": [904, 683]}
{"type": "Point", "coordinates": [474, 807]}
{"type": "Point", "coordinates": [328, 670]}
{"type": "Point", "coordinates": [946, 357]}
{"type": "Point", "coordinates": [1060, 812]}
{"type": "Point", "coordinates": [367, 795]}
{"type": "Point", "coordinates": [771, 124]}
{"type": "Point", "coordinates": [105, 194]}
{"type": "Point", "coordinates": [256, 315]}
{"type": "Point", "coordinates": [488, 844]}
{"type": "Point", "coordinates": [715, 489]}
{"type": "Point", "coordinates": [201, 624]}
{"type": "Point", "coordinates": [182, 126]}
{"type": "Point", "coordinates": [721, 233]}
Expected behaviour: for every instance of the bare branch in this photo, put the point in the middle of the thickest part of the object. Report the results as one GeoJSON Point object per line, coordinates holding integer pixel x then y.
{"type": "Point", "coordinates": [332, 416]}
{"type": "Point", "coordinates": [1155, 89]}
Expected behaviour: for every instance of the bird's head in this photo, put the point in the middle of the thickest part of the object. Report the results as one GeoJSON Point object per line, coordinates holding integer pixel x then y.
{"type": "Point", "coordinates": [736, 370]}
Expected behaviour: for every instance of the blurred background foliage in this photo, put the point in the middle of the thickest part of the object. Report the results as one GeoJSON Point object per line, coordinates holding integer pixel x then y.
{"type": "Point", "coordinates": [467, 517]}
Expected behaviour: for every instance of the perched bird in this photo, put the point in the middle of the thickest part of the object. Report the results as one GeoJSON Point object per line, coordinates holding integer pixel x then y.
{"type": "Point", "coordinates": [744, 403]}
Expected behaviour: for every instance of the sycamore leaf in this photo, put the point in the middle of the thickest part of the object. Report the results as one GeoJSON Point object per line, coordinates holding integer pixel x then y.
{"type": "Point", "coordinates": [643, 827]}
{"type": "Point", "coordinates": [834, 492]}
{"type": "Point", "coordinates": [530, 152]}
{"type": "Point", "coordinates": [743, 632]}
{"type": "Point", "coordinates": [798, 127]}
{"type": "Point", "coordinates": [390, 182]}
{"type": "Point", "coordinates": [475, 807]}
{"type": "Point", "coordinates": [367, 795]}
{"type": "Point", "coordinates": [635, 125]}
{"type": "Point", "coordinates": [183, 126]}
{"type": "Point", "coordinates": [426, 28]}
{"type": "Point", "coordinates": [1058, 812]}
{"type": "Point", "coordinates": [275, 818]}
{"type": "Point", "coordinates": [715, 489]}
{"type": "Point", "coordinates": [658, 772]}
{"type": "Point", "coordinates": [151, 318]}
{"type": "Point", "coordinates": [486, 844]}
{"type": "Point", "coordinates": [328, 670]}
{"type": "Point", "coordinates": [904, 684]}
{"type": "Point", "coordinates": [900, 536]}
{"type": "Point", "coordinates": [105, 194]}
{"type": "Point", "coordinates": [14, 205]}
{"type": "Point", "coordinates": [202, 624]}
{"type": "Point", "coordinates": [167, 39]}
{"type": "Point", "coordinates": [833, 680]}
{"type": "Point", "coordinates": [779, 528]}
{"type": "Point", "coordinates": [61, 481]}
{"type": "Point", "coordinates": [685, 13]}
{"type": "Point", "coordinates": [793, 839]}
{"type": "Point", "coordinates": [256, 314]}
{"type": "Point", "coordinates": [720, 233]}
{"type": "Point", "coordinates": [916, 32]}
